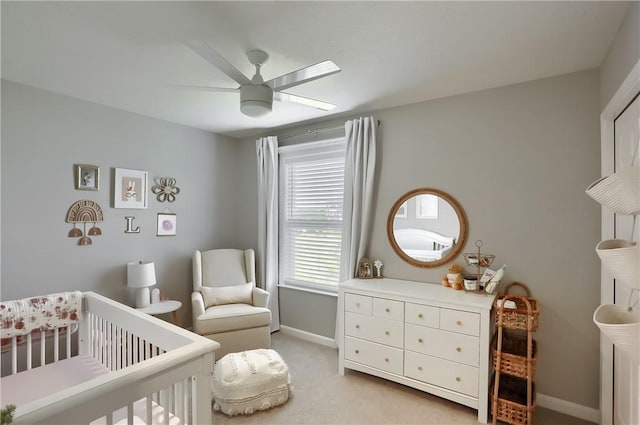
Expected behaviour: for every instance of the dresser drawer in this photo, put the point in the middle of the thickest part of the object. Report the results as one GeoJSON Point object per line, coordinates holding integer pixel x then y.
{"type": "Point", "coordinates": [383, 331]}
{"type": "Point", "coordinates": [358, 304]}
{"type": "Point", "coordinates": [460, 321]}
{"type": "Point", "coordinates": [375, 355]}
{"type": "Point", "coordinates": [443, 373]}
{"type": "Point", "coordinates": [444, 344]}
{"type": "Point", "coordinates": [424, 315]}
{"type": "Point", "coordinates": [388, 309]}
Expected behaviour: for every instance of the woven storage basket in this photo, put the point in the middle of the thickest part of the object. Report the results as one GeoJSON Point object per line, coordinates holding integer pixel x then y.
{"type": "Point", "coordinates": [513, 359]}
{"type": "Point", "coordinates": [619, 192]}
{"type": "Point", "coordinates": [622, 259]}
{"type": "Point", "coordinates": [621, 326]}
{"type": "Point", "coordinates": [512, 401]}
{"type": "Point", "coordinates": [520, 317]}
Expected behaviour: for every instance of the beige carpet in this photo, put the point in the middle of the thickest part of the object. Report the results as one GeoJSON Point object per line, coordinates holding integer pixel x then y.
{"type": "Point", "coordinates": [321, 396]}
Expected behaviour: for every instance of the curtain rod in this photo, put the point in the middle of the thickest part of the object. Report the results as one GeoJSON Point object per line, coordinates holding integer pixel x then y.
{"type": "Point", "coordinates": [317, 130]}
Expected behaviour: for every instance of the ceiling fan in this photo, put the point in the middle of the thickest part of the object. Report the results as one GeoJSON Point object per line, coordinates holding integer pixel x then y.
{"type": "Point", "coordinates": [256, 95]}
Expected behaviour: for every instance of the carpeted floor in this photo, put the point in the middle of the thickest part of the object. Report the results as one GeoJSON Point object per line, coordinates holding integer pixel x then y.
{"type": "Point", "coordinates": [321, 396]}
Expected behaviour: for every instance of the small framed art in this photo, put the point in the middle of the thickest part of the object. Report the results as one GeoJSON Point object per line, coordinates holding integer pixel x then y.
{"type": "Point", "coordinates": [402, 211]}
{"type": "Point", "coordinates": [166, 224]}
{"type": "Point", "coordinates": [87, 177]}
{"type": "Point", "coordinates": [365, 269]}
{"type": "Point", "coordinates": [130, 188]}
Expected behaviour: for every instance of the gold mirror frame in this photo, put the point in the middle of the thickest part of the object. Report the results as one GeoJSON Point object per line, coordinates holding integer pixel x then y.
{"type": "Point", "coordinates": [462, 237]}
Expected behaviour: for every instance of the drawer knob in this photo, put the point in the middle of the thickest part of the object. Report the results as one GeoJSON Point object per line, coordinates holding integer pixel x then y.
{"type": "Point", "coordinates": [357, 304]}
{"type": "Point", "coordinates": [458, 379]}
{"type": "Point", "coordinates": [386, 332]}
{"type": "Point", "coordinates": [357, 326]}
{"type": "Point", "coordinates": [420, 368]}
{"type": "Point", "coordinates": [386, 360]}
{"type": "Point", "coordinates": [420, 316]}
{"type": "Point", "coordinates": [357, 352]}
{"type": "Point", "coordinates": [459, 323]}
{"type": "Point", "coordinates": [387, 310]}
{"type": "Point", "coordinates": [458, 349]}
{"type": "Point", "coordinates": [420, 340]}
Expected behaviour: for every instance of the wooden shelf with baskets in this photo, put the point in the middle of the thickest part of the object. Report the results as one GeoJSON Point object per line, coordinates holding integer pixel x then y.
{"type": "Point", "coordinates": [514, 353]}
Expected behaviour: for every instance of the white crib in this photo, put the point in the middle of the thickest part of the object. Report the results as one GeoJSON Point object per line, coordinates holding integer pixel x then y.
{"type": "Point", "coordinates": [126, 367]}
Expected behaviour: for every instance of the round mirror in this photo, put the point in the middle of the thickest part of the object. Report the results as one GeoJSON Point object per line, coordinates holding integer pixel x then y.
{"type": "Point", "coordinates": [427, 227]}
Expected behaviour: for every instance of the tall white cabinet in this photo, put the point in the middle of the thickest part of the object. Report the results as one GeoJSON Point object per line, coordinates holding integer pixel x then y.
{"type": "Point", "coordinates": [418, 334]}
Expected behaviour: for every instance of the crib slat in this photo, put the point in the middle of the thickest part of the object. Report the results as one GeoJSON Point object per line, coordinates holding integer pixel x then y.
{"type": "Point", "coordinates": [149, 410]}
{"type": "Point", "coordinates": [68, 338]}
{"type": "Point", "coordinates": [43, 351]}
{"type": "Point", "coordinates": [130, 414]}
{"type": "Point", "coordinates": [164, 402]}
{"type": "Point", "coordinates": [56, 345]}
{"type": "Point", "coordinates": [29, 348]}
{"type": "Point", "coordinates": [14, 355]}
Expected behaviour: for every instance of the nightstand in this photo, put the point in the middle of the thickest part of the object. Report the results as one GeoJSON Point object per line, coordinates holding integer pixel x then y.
{"type": "Point", "coordinates": [167, 306]}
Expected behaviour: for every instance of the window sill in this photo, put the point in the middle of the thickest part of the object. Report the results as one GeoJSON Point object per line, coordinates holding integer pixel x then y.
{"type": "Point", "coordinates": [310, 290]}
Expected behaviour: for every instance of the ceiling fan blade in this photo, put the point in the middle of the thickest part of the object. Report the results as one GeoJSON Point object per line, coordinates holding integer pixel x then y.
{"type": "Point", "coordinates": [214, 58]}
{"type": "Point", "coordinates": [303, 75]}
{"type": "Point", "coordinates": [287, 97]}
{"type": "Point", "coordinates": [207, 88]}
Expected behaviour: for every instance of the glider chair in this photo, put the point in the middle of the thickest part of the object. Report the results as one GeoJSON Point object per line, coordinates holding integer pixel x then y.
{"type": "Point", "coordinates": [226, 304]}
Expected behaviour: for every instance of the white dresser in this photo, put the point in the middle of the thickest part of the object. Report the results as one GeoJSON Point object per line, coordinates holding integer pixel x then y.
{"type": "Point", "coordinates": [422, 335]}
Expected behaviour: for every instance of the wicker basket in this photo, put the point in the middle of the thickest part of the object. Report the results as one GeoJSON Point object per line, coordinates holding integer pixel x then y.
{"type": "Point", "coordinates": [511, 406]}
{"type": "Point", "coordinates": [513, 358]}
{"type": "Point", "coordinates": [524, 316]}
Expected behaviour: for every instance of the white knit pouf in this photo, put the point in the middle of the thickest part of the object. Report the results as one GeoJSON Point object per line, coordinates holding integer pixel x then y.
{"type": "Point", "coordinates": [248, 381]}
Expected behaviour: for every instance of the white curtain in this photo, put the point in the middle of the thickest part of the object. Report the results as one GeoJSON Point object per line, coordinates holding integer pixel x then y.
{"type": "Point", "coordinates": [267, 254]}
{"type": "Point", "coordinates": [359, 175]}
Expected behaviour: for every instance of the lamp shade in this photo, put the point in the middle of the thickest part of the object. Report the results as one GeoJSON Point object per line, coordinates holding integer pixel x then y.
{"type": "Point", "coordinates": [141, 274]}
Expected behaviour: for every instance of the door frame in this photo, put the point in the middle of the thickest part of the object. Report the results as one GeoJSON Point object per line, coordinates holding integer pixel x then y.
{"type": "Point", "coordinates": [625, 93]}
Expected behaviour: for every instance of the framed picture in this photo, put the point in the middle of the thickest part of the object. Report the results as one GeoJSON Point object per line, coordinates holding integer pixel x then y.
{"type": "Point", "coordinates": [365, 269]}
{"type": "Point", "coordinates": [87, 177]}
{"type": "Point", "coordinates": [130, 188]}
{"type": "Point", "coordinates": [166, 224]}
{"type": "Point", "coordinates": [402, 211]}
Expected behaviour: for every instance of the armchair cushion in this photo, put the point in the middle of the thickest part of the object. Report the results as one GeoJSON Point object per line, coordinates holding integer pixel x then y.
{"type": "Point", "coordinates": [231, 317]}
{"type": "Point", "coordinates": [234, 294]}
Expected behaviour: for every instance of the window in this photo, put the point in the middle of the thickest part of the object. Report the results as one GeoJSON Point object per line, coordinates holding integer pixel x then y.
{"type": "Point", "coordinates": [311, 197]}
{"type": "Point", "coordinates": [427, 206]}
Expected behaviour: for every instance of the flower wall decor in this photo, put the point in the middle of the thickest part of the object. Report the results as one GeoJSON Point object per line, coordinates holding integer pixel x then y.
{"type": "Point", "coordinates": [165, 189]}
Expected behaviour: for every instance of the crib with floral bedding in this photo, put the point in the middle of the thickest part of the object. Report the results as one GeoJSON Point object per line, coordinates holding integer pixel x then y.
{"type": "Point", "coordinates": [81, 358]}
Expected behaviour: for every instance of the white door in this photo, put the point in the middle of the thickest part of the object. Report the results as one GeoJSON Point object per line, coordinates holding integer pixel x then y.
{"type": "Point", "coordinates": [626, 378]}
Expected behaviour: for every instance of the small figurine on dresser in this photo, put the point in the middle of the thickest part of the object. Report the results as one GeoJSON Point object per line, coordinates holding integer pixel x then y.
{"type": "Point", "coordinates": [378, 265]}
{"type": "Point", "coordinates": [454, 278]}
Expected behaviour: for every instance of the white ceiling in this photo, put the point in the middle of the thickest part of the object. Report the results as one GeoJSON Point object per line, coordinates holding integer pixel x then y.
{"type": "Point", "coordinates": [130, 55]}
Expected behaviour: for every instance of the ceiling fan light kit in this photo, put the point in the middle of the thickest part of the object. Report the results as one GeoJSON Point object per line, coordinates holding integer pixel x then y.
{"type": "Point", "coordinates": [256, 95]}
{"type": "Point", "coordinates": [256, 101]}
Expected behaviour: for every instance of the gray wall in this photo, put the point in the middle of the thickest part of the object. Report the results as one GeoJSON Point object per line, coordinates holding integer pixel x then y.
{"type": "Point", "coordinates": [518, 160]}
{"type": "Point", "coordinates": [44, 134]}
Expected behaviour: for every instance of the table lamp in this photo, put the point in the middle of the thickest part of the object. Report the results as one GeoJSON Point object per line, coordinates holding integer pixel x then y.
{"type": "Point", "coordinates": [141, 275]}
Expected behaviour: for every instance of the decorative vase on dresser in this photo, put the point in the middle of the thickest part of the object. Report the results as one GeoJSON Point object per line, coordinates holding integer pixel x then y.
{"type": "Point", "coordinates": [422, 335]}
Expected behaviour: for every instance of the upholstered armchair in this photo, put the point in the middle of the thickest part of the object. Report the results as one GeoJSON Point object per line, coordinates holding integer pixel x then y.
{"type": "Point", "coordinates": [227, 306]}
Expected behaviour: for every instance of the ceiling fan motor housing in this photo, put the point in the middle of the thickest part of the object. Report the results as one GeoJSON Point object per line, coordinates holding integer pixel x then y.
{"type": "Point", "coordinates": [256, 100]}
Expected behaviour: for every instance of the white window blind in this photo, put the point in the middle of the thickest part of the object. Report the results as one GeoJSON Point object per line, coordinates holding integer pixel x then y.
{"type": "Point", "coordinates": [311, 198]}
{"type": "Point", "coordinates": [427, 206]}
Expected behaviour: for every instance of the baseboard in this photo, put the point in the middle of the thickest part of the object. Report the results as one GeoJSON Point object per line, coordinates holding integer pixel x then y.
{"type": "Point", "coordinates": [568, 408]}
{"type": "Point", "coordinates": [308, 336]}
